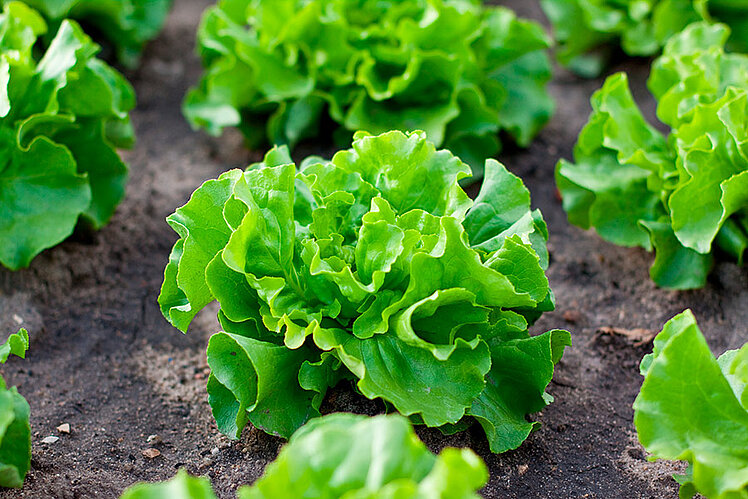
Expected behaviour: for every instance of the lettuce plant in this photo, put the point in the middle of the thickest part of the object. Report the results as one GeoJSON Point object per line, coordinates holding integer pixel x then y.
{"type": "Point", "coordinates": [15, 432]}
{"type": "Point", "coordinates": [126, 24]}
{"type": "Point", "coordinates": [374, 267]}
{"type": "Point", "coordinates": [457, 69]}
{"type": "Point", "coordinates": [641, 27]}
{"type": "Point", "coordinates": [684, 195]}
{"type": "Point", "coordinates": [61, 118]}
{"type": "Point", "coordinates": [694, 407]}
{"type": "Point", "coordinates": [346, 455]}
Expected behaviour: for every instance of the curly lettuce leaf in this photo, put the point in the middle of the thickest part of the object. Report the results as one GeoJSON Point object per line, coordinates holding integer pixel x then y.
{"type": "Point", "coordinates": [692, 407]}
{"type": "Point", "coordinates": [61, 118]}
{"type": "Point", "coordinates": [454, 68]}
{"type": "Point", "coordinates": [734, 365]}
{"type": "Point", "coordinates": [126, 24]}
{"type": "Point", "coordinates": [250, 380]}
{"type": "Point", "coordinates": [182, 486]}
{"type": "Point", "coordinates": [347, 455]}
{"type": "Point", "coordinates": [375, 267]}
{"type": "Point", "coordinates": [521, 370]}
{"type": "Point", "coordinates": [584, 29]}
{"type": "Point", "coordinates": [714, 175]}
{"type": "Point", "coordinates": [15, 431]}
{"type": "Point", "coordinates": [616, 155]}
{"type": "Point", "coordinates": [685, 195]}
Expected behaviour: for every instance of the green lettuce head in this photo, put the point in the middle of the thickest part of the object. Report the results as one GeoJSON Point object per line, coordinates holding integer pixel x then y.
{"type": "Point", "coordinates": [685, 195]}
{"type": "Point", "coordinates": [61, 119]}
{"type": "Point", "coordinates": [694, 407]}
{"type": "Point", "coordinates": [348, 456]}
{"type": "Point", "coordinates": [457, 69]}
{"type": "Point", "coordinates": [126, 24]}
{"type": "Point", "coordinates": [374, 267]}
{"type": "Point", "coordinates": [584, 27]}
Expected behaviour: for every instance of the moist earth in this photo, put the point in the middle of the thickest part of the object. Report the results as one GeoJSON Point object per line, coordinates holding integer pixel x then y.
{"type": "Point", "coordinates": [104, 361]}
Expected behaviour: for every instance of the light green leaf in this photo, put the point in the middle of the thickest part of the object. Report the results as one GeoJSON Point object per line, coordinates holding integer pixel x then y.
{"type": "Point", "coordinates": [685, 196]}
{"type": "Point", "coordinates": [257, 381]}
{"type": "Point", "coordinates": [186, 291]}
{"type": "Point", "coordinates": [41, 198]}
{"type": "Point", "coordinates": [414, 380]}
{"type": "Point", "coordinates": [734, 365]}
{"type": "Point", "coordinates": [687, 410]}
{"type": "Point", "coordinates": [126, 24]}
{"type": "Point", "coordinates": [16, 344]}
{"type": "Point", "coordinates": [455, 69]}
{"type": "Point", "coordinates": [361, 268]}
{"type": "Point", "coordinates": [348, 456]}
{"type": "Point", "coordinates": [344, 455]}
{"type": "Point", "coordinates": [676, 266]}
{"type": "Point", "coordinates": [61, 118]}
{"type": "Point", "coordinates": [714, 179]}
{"type": "Point", "coordinates": [521, 370]}
{"type": "Point", "coordinates": [15, 432]}
{"type": "Point", "coordinates": [182, 486]}
{"type": "Point", "coordinates": [263, 242]}
{"type": "Point", "coordinates": [15, 438]}
{"type": "Point", "coordinates": [586, 30]}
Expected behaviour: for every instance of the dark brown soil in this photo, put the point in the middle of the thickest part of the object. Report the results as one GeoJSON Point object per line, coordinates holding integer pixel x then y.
{"type": "Point", "coordinates": [104, 361]}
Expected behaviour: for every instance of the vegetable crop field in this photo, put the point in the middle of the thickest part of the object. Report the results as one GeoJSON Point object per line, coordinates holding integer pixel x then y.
{"type": "Point", "coordinates": [417, 297]}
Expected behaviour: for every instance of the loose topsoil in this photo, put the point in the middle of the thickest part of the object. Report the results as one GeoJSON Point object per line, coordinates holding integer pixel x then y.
{"type": "Point", "coordinates": [103, 360]}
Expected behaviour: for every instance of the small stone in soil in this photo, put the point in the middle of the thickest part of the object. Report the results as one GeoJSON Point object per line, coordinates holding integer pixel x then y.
{"type": "Point", "coordinates": [151, 453]}
{"type": "Point", "coordinates": [64, 428]}
{"type": "Point", "coordinates": [153, 439]}
{"type": "Point", "coordinates": [50, 440]}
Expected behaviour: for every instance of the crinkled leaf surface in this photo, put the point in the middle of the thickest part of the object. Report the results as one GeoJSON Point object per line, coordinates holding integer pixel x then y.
{"type": "Point", "coordinates": [374, 267]}
{"type": "Point", "coordinates": [684, 195]}
{"type": "Point", "coordinates": [457, 69]}
{"type": "Point", "coordinates": [347, 456]}
{"type": "Point", "coordinates": [182, 486]}
{"type": "Point", "coordinates": [690, 409]}
{"type": "Point", "coordinates": [585, 29]}
{"type": "Point", "coordinates": [126, 24]}
{"type": "Point", "coordinates": [61, 118]}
